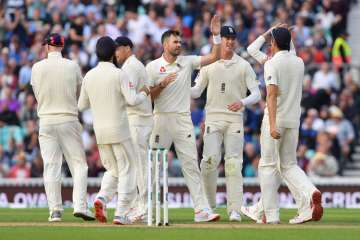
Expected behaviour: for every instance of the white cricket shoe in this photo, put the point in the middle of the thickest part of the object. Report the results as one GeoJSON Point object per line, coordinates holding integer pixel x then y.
{"type": "Point", "coordinates": [252, 212]}
{"type": "Point", "coordinates": [206, 215]}
{"type": "Point", "coordinates": [313, 213]}
{"type": "Point", "coordinates": [86, 216]}
{"type": "Point", "coordinates": [55, 216]}
{"type": "Point", "coordinates": [100, 210]}
{"type": "Point", "coordinates": [122, 220]}
{"type": "Point", "coordinates": [235, 216]}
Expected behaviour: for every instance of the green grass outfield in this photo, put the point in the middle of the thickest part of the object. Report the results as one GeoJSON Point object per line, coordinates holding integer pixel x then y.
{"type": "Point", "coordinates": [27, 224]}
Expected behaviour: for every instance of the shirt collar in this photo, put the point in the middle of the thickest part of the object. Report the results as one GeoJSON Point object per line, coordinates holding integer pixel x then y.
{"type": "Point", "coordinates": [233, 59]}
{"type": "Point", "coordinates": [282, 52]}
{"type": "Point", "coordinates": [164, 63]}
{"type": "Point", "coordinates": [128, 59]}
{"type": "Point", "coordinates": [106, 64]}
{"type": "Point", "coordinates": [54, 54]}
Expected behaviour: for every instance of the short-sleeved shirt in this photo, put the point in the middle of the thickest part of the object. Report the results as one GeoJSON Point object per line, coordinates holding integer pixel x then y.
{"type": "Point", "coordinates": [286, 71]}
{"type": "Point", "coordinates": [175, 98]}
{"type": "Point", "coordinates": [55, 81]}
{"type": "Point", "coordinates": [227, 81]}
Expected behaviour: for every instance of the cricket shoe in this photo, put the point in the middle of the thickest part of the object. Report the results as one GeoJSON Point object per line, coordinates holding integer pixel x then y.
{"type": "Point", "coordinates": [206, 215]}
{"type": "Point", "coordinates": [122, 220]}
{"type": "Point", "coordinates": [313, 213]}
{"type": "Point", "coordinates": [252, 213]}
{"type": "Point", "coordinates": [100, 210]}
{"type": "Point", "coordinates": [55, 216]}
{"type": "Point", "coordinates": [86, 216]}
{"type": "Point", "coordinates": [235, 216]}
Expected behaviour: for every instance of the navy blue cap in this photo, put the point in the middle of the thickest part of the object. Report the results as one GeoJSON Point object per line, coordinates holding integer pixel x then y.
{"type": "Point", "coordinates": [227, 31]}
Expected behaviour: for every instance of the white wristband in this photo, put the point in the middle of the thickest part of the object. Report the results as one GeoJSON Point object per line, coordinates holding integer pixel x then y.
{"type": "Point", "coordinates": [217, 39]}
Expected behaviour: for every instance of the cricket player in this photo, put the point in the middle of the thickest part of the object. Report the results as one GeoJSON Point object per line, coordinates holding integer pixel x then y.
{"type": "Point", "coordinates": [170, 81]}
{"type": "Point", "coordinates": [255, 212]}
{"type": "Point", "coordinates": [56, 82]}
{"type": "Point", "coordinates": [284, 74]}
{"type": "Point", "coordinates": [140, 122]}
{"type": "Point", "coordinates": [106, 89]}
{"type": "Point", "coordinates": [227, 81]}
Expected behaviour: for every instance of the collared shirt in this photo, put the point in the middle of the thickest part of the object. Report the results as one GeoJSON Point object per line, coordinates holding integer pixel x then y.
{"type": "Point", "coordinates": [107, 90]}
{"type": "Point", "coordinates": [227, 81]}
{"type": "Point", "coordinates": [55, 81]}
{"type": "Point", "coordinates": [140, 114]}
{"type": "Point", "coordinates": [286, 71]}
{"type": "Point", "coordinates": [175, 98]}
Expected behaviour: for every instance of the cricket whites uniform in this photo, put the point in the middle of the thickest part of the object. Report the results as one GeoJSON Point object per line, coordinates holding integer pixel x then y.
{"type": "Point", "coordinates": [286, 71]}
{"type": "Point", "coordinates": [106, 90]}
{"type": "Point", "coordinates": [55, 81]}
{"type": "Point", "coordinates": [172, 121]}
{"type": "Point", "coordinates": [141, 123]}
{"type": "Point", "coordinates": [227, 81]}
{"type": "Point", "coordinates": [254, 50]}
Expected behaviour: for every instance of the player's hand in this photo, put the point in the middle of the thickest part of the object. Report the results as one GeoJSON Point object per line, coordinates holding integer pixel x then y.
{"type": "Point", "coordinates": [235, 106]}
{"type": "Point", "coordinates": [274, 133]}
{"type": "Point", "coordinates": [145, 90]}
{"type": "Point", "coordinates": [267, 34]}
{"type": "Point", "coordinates": [215, 25]}
{"type": "Point", "coordinates": [168, 79]}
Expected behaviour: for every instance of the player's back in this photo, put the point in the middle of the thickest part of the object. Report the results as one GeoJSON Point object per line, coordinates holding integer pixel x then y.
{"type": "Point", "coordinates": [288, 70]}
{"type": "Point", "coordinates": [107, 103]}
{"type": "Point", "coordinates": [55, 81]}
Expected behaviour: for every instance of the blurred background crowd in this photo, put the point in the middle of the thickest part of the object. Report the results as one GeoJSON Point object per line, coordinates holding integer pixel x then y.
{"type": "Point", "coordinates": [331, 97]}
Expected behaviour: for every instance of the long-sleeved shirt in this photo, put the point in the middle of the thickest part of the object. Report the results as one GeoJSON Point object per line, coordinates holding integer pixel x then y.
{"type": "Point", "coordinates": [140, 114]}
{"type": "Point", "coordinates": [55, 81]}
{"type": "Point", "coordinates": [254, 50]}
{"type": "Point", "coordinates": [107, 90]}
{"type": "Point", "coordinates": [227, 81]}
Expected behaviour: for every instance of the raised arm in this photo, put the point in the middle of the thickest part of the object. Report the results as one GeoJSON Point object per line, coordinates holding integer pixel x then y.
{"type": "Point", "coordinates": [214, 55]}
{"type": "Point", "coordinates": [201, 82]}
{"type": "Point", "coordinates": [254, 50]}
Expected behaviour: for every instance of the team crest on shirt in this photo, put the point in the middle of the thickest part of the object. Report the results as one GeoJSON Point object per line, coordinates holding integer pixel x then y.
{"type": "Point", "coordinates": [162, 69]}
{"type": "Point", "coordinates": [131, 85]}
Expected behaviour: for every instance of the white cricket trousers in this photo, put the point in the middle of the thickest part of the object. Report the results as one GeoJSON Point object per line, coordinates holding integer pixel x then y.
{"type": "Point", "coordinates": [140, 136]}
{"type": "Point", "coordinates": [281, 152]}
{"type": "Point", "coordinates": [232, 134]}
{"type": "Point", "coordinates": [55, 141]}
{"type": "Point", "coordinates": [178, 128]}
{"type": "Point", "coordinates": [119, 161]}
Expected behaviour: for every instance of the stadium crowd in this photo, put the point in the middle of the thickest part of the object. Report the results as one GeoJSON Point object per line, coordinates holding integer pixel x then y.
{"type": "Point", "coordinates": [331, 97]}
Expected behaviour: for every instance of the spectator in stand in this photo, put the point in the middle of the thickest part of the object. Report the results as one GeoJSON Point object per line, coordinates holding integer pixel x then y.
{"type": "Point", "coordinates": [323, 164]}
{"type": "Point", "coordinates": [37, 167]}
{"type": "Point", "coordinates": [21, 169]}
{"type": "Point", "coordinates": [326, 79]}
{"type": "Point", "coordinates": [344, 132]}
{"type": "Point", "coordinates": [318, 24]}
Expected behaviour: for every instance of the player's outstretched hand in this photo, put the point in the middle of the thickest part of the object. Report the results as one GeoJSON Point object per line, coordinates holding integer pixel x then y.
{"type": "Point", "coordinates": [215, 25]}
{"type": "Point", "coordinates": [168, 79]}
{"type": "Point", "coordinates": [235, 106]}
